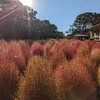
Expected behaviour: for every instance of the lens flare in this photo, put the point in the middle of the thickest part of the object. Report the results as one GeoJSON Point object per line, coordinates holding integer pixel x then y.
{"type": "Point", "coordinates": [27, 2]}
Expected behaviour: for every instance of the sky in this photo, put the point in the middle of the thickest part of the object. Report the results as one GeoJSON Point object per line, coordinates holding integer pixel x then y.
{"type": "Point", "coordinates": [62, 13]}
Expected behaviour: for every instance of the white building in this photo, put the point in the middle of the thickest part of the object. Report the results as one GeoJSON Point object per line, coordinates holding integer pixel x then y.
{"type": "Point", "coordinates": [95, 32]}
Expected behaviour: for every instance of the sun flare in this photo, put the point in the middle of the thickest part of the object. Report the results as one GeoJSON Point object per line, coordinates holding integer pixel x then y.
{"type": "Point", "coordinates": [27, 2]}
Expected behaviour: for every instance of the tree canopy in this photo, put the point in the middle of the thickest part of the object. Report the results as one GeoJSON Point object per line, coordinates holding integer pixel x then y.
{"type": "Point", "coordinates": [25, 25]}
{"type": "Point", "coordinates": [83, 22]}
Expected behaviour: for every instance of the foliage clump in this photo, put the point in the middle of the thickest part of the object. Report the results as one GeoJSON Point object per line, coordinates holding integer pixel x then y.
{"type": "Point", "coordinates": [38, 83]}
{"type": "Point", "coordinates": [9, 79]}
{"type": "Point", "coordinates": [74, 83]}
{"type": "Point", "coordinates": [37, 49]}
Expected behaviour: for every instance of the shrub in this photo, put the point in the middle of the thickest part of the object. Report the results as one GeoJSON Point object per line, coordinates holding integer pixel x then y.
{"type": "Point", "coordinates": [3, 51]}
{"type": "Point", "coordinates": [9, 78]}
{"type": "Point", "coordinates": [69, 52]}
{"type": "Point", "coordinates": [56, 55]}
{"type": "Point", "coordinates": [47, 48]}
{"type": "Point", "coordinates": [26, 50]}
{"type": "Point", "coordinates": [37, 49]}
{"type": "Point", "coordinates": [88, 65]}
{"type": "Point", "coordinates": [98, 85]}
{"type": "Point", "coordinates": [96, 45]}
{"type": "Point", "coordinates": [75, 43]}
{"type": "Point", "coordinates": [15, 55]}
{"type": "Point", "coordinates": [95, 56]}
{"type": "Point", "coordinates": [73, 82]}
{"type": "Point", "coordinates": [65, 42]}
{"type": "Point", "coordinates": [38, 83]}
{"type": "Point", "coordinates": [84, 50]}
{"type": "Point", "coordinates": [99, 76]}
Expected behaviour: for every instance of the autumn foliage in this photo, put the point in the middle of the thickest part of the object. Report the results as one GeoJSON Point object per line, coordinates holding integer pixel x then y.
{"type": "Point", "coordinates": [38, 83]}
{"type": "Point", "coordinates": [50, 70]}
{"type": "Point", "coordinates": [74, 82]}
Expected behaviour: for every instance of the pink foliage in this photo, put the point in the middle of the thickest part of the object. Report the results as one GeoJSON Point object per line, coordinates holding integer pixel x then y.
{"type": "Point", "coordinates": [15, 55]}
{"type": "Point", "coordinates": [37, 49]}
{"type": "Point", "coordinates": [26, 50]}
{"type": "Point", "coordinates": [9, 78]}
{"type": "Point", "coordinates": [69, 52]}
{"type": "Point", "coordinates": [74, 83]}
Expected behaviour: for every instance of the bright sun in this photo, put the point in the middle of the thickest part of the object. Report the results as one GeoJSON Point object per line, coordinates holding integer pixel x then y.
{"type": "Point", "coordinates": [27, 2]}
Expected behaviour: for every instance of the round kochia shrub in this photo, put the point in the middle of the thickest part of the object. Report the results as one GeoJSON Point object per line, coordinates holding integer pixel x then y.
{"type": "Point", "coordinates": [83, 50]}
{"type": "Point", "coordinates": [98, 85]}
{"type": "Point", "coordinates": [9, 78]}
{"type": "Point", "coordinates": [47, 49]}
{"type": "Point", "coordinates": [38, 83]}
{"type": "Point", "coordinates": [26, 50]}
{"type": "Point", "coordinates": [89, 65]}
{"type": "Point", "coordinates": [15, 55]}
{"type": "Point", "coordinates": [99, 76]}
{"type": "Point", "coordinates": [37, 49]}
{"type": "Point", "coordinates": [56, 55]}
{"type": "Point", "coordinates": [95, 56]}
{"type": "Point", "coordinates": [69, 52]}
{"type": "Point", "coordinates": [73, 82]}
{"type": "Point", "coordinates": [3, 51]}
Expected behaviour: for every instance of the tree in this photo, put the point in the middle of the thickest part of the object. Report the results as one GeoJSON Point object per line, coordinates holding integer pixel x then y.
{"type": "Point", "coordinates": [1, 1]}
{"type": "Point", "coordinates": [84, 21]}
{"type": "Point", "coordinates": [24, 25]}
{"type": "Point", "coordinates": [17, 24]}
{"type": "Point", "coordinates": [32, 14]}
{"type": "Point", "coordinates": [44, 30]}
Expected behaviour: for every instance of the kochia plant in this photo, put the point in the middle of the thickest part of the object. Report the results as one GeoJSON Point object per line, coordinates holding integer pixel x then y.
{"type": "Point", "coordinates": [9, 78]}
{"type": "Point", "coordinates": [74, 83]}
{"type": "Point", "coordinates": [38, 83]}
{"type": "Point", "coordinates": [37, 49]}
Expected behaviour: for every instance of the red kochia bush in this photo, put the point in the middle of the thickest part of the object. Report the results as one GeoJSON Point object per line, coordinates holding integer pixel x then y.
{"type": "Point", "coordinates": [74, 83]}
{"type": "Point", "coordinates": [98, 74]}
{"type": "Point", "coordinates": [84, 50]}
{"type": "Point", "coordinates": [95, 56]}
{"type": "Point", "coordinates": [3, 51]}
{"type": "Point", "coordinates": [96, 45]}
{"type": "Point", "coordinates": [56, 55]}
{"type": "Point", "coordinates": [69, 52]}
{"type": "Point", "coordinates": [15, 55]}
{"type": "Point", "coordinates": [37, 49]}
{"type": "Point", "coordinates": [9, 78]}
{"type": "Point", "coordinates": [89, 65]}
{"type": "Point", "coordinates": [38, 83]}
{"type": "Point", "coordinates": [26, 50]}
{"type": "Point", "coordinates": [75, 43]}
{"type": "Point", "coordinates": [47, 48]}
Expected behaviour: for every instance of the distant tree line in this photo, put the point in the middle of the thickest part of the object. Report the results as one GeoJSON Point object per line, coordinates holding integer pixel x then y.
{"type": "Point", "coordinates": [25, 25]}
